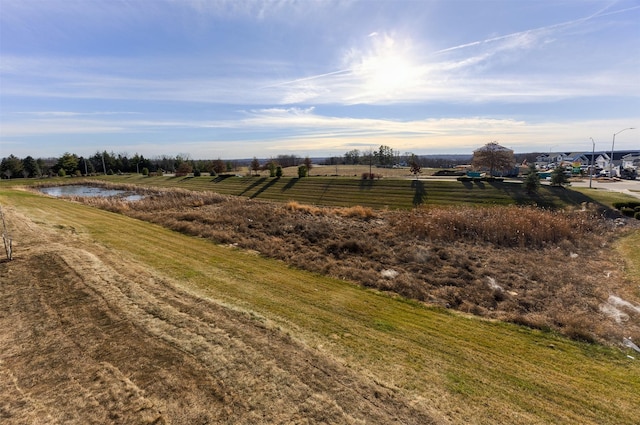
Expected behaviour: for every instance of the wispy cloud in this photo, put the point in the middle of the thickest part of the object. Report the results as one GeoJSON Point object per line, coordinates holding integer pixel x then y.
{"type": "Point", "coordinates": [316, 74]}
{"type": "Point", "coordinates": [390, 70]}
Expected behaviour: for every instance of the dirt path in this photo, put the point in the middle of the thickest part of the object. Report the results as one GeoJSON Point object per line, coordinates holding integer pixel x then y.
{"type": "Point", "coordinates": [90, 337]}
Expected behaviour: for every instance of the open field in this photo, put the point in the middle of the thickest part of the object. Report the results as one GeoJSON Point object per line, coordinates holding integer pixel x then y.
{"type": "Point", "coordinates": [384, 193]}
{"type": "Point", "coordinates": [134, 323]}
{"type": "Point", "coordinates": [393, 192]}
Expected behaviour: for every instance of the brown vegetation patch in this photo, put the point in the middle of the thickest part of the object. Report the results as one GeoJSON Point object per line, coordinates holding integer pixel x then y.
{"type": "Point", "coordinates": [545, 269]}
{"type": "Point", "coordinates": [91, 337]}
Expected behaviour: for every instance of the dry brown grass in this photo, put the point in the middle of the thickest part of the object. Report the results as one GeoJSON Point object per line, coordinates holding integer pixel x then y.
{"type": "Point", "coordinates": [510, 226]}
{"type": "Point", "coordinates": [91, 336]}
{"type": "Point", "coordinates": [546, 269]}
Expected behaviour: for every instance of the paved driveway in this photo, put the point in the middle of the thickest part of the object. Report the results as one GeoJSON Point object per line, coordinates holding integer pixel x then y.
{"type": "Point", "coordinates": [630, 187]}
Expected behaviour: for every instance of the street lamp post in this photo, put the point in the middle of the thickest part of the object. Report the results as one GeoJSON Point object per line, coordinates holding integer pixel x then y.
{"type": "Point", "coordinates": [592, 169]}
{"type": "Point", "coordinates": [612, 145]}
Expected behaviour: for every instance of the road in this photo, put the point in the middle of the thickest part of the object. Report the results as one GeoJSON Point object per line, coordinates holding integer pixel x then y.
{"type": "Point", "coordinates": [630, 187]}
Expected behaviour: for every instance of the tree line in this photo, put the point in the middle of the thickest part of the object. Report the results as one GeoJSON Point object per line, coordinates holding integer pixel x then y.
{"type": "Point", "coordinates": [110, 163]}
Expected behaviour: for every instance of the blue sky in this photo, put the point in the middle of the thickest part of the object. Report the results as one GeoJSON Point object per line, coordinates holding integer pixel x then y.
{"type": "Point", "coordinates": [244, 78]}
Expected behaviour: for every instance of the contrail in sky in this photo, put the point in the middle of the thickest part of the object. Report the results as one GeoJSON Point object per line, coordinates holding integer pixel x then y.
{"type": "Point", "coordinates": [599, 13]}
{"type": "Point", "coordinates": [313, 77]}
{"type": "Point", "coordinates": [515, 34]}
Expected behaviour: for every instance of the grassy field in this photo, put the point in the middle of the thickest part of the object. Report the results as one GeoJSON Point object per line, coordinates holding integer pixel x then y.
{"type": "Point", "coordinates": [383, 193]}
{"type": "Point", "coordinates": [461, 369]}
{"type": "Point", "coordinates": [396, 190]}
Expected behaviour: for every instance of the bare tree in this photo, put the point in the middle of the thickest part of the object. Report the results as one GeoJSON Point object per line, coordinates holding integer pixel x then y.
{"type": "Point", "coordinates": [307, 163]}
{"type": "Point", "coordinates": [255, 165]}
{"type": "Point", "coordinates": [494, 157]}
{"type": "Point", "coordinates": [414, 163]}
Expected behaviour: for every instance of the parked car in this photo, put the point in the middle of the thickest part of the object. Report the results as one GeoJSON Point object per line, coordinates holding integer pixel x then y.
{"type": "Point", "coordinates": [629, 174]}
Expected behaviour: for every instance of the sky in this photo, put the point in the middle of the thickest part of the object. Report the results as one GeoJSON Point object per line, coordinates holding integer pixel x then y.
{"type": "Point", "coordinates": [226, 79]}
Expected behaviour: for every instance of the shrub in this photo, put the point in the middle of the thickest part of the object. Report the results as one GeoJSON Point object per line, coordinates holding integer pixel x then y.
{"type": "Point", "coordinates": [196, 173]}
{"type": "Point", "coordinates": [278, 171]}
{"type": "Point", "coordinates": [637, 215]}
{"type": "Point", "coordinates": [271, 166]}
{"type": "Point", "coordinates": [145, 171]}
{"type": "Point", "coordinates": [302, 171]}
{"type": "Point", "coordinates": [627, 211]}
{"type": "Point", "coordinates": [628, 204]}
{"type": "Point", "coordinates": [347, 247]}
{"type": "Point", "coordinates": [61, 172]}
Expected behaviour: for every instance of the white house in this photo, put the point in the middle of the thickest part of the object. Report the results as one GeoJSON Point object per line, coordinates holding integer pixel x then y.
{"type": "Point", "coordinates": [602, 161]}
{"type": "Point", "coordinates": [631, 160]}
{"type": "Point", "coordinates": [552, 160]}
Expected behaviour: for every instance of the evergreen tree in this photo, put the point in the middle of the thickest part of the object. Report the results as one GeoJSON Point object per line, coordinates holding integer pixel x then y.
{"type": "Point", "coordinates": [30, 167]}
{"type": "Point", "coordinates": [532, 180]}
{"type": "Point", "coordinates": [69, 163]}
{"type": "Point", "coordinates": [558, 177]}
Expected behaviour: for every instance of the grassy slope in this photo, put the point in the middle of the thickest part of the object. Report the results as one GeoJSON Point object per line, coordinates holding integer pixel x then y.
{"type": "Point", "coordinates": [468, 370]}
{"type": "Point", "coordinates": [385, 193]}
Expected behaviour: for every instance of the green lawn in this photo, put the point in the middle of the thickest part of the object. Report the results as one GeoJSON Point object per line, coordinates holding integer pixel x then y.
{"type": "Point", "coordinates": [350, 191]}
{"type": "Point", "coordinates": [466, 369]}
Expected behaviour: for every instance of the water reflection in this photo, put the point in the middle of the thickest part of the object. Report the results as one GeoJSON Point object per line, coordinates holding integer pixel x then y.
{"type": "Point", "coordinates": [89, 191]}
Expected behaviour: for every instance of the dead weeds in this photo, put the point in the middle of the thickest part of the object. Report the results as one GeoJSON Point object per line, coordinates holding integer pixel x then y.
{"type": "Point", "coordinates": [546, 269]}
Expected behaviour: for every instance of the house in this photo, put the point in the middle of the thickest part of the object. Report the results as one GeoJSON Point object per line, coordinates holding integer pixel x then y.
{"type": "Point", "coordinates": [579, 159]}
{"type": "Point", "coordinates": [582, 160]}
{"type": "Point", "coordinates": [631, 160]}
{"type": "Point", "coordinates": [552, 160]}
{"type": "Point", "coordinates": [602, 161]}
{"type": "Point", "coordinates": [563, 159]}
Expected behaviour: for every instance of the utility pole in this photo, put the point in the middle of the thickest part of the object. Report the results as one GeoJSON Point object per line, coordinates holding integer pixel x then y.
{"type": "Point", "coordinates": [612, 144]}
{"type": "Point", "coordinates": [592, 169]}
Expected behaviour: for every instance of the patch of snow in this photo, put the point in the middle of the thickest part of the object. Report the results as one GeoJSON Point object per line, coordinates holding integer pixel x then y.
{"type": "Point", "coordinates": [628, 343]}
{"type": "Point", "coordinates": [614, 313]}
{"type": "Point", "coordinates": [573, 255]}
{"type": "Point", "coordinates": [493, 285]}
{"type": "Point", "coordinates": [619, 302]}
{"type": "Point", "coordinates": [613, 308]}
{"type": "Point", "coordinates": [389, 274]}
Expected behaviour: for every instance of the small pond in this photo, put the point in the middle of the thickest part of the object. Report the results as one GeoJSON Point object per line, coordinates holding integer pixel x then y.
{"type": "Point", "coordinates": [89, 191]}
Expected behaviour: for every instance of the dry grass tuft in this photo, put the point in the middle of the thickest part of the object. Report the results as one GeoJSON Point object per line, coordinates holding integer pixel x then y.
{"type": "Point", "coordinates": [295, 206]}
{"type": "Point", "coordinates": [355, 212]}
